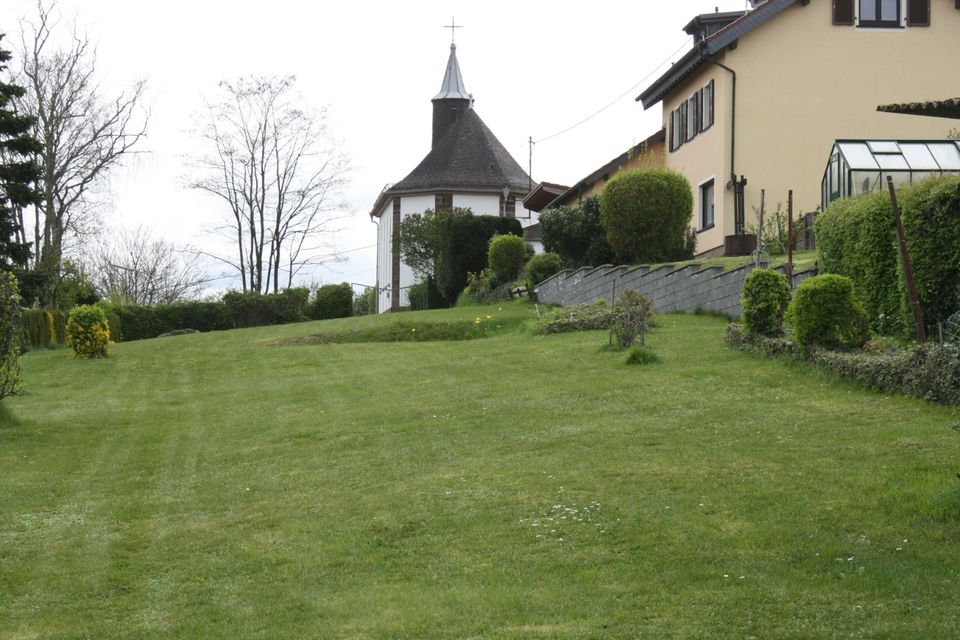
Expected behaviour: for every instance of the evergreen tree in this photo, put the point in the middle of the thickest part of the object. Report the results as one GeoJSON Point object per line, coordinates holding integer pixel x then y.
{"type": "Point", "coordinates": [18, 172]}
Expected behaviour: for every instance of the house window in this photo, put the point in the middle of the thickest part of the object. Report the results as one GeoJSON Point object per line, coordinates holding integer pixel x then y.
{"type": "Point", "coordinates": [706, 205]}
{"type": "Point", "coordinates": [879, 13]}
{"type": "Point", "coordinates": [706, 106]}
{"type": "Point", "coordinates": [693, 116]}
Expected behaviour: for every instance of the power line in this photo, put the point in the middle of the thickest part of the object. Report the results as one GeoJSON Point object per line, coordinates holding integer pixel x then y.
{"type": "Point", "coordinates": [615, 100]}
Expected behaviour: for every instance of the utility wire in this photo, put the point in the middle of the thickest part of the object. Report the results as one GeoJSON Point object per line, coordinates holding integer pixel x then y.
{"type": "Point", "coordinates": [615, 100]}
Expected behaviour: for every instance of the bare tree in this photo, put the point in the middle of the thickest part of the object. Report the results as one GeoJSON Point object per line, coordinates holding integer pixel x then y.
{"type": "Point", "coordinates": [135, 268]}
{"type": "Point", "coordinates": [271, 160]}
{"type": "Point", "coordinates": [83, 134]}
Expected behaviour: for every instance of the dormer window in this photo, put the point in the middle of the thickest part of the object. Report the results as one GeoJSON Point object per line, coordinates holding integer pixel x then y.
{"type": "Point", "coordinates": [882, 14]}
{"type": "Point", "coordinates": [879, 14]}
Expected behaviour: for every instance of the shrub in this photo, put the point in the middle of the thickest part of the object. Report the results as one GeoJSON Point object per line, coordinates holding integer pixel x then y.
{"type": "Point", "coordinates": [576, 234]}
{"type": "Point", "coordinates": [642, 355]}
{"type": "Point", "coordinates": [646, 214]}
{"type": "Point", "coordinates": [88, 331]}
{"type": "Point", "coordinates": [465, 241]}
{"type": "Point", "coordinates": [825, 313]}
{"type": "Point", "coordinates": [577, 317]}
{"type": "Point", "coordinates": [332, 301]}
{"type": "Point", "coordinates": [11, 332]}
{"type": "Point", "coordinates": [506, 256]}
{"type": "Point", "coordinates": [931, 221]}
{"type": "Point", "coordinates": [765, 297]}
{"type": "Point", "coordinates": [139, 322]}
{"type": "Point", "coordinates": [632, 315]}
{"type": "Point", "coordinates": [483, 288]}
{"type": "Point", "coordinates": [540, 268]}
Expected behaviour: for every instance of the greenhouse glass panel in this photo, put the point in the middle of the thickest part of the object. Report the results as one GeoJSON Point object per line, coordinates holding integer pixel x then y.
{"type": "Point", "coordinates": [864, 181]}
{"type": "Point", "coordinates": [919, 157]}
{"type": "Point", "coordinates": [858, 155]}
{"type": "Point", "coordinates": [883, 146]}
{"type": "Point", "coordinates": [947, 155]}
{"type": "Point", "coordinates": [899, 178]}
{"type": "Point", "coordinates": [917, 176]}
{"type": "Point", "coordinates": [891, 161]}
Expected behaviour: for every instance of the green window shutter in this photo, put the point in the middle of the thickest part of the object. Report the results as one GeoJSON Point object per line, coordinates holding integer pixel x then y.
{"type": "Point", "coordinates": [918, 13]}
{"type": "Point", "coordinates": [843, 12]}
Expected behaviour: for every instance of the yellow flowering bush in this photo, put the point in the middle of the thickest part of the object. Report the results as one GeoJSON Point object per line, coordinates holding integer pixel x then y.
{"type": "Point", "coordinates": [88, 332]}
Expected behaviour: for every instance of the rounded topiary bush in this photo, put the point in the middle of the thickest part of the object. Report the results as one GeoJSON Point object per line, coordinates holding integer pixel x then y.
{"type": "Point", "coordinates": [825, 313]}
{"type": "Point", "coordinates": [506, 256]}
{"type": "Point", "coordinates": [88, 331]}
{"type": "Point", "coordinates": [542, 267]}
{"type": "Point", "coordinates": [764, 301]}
{"type": "Point", "coordinates": [646, 214]}
{"type": "Point", "coordinates": [332, 301]}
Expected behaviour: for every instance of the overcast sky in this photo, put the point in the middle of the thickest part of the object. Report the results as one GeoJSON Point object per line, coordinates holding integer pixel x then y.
{"type": "Point", "coordinates": [534, 68]}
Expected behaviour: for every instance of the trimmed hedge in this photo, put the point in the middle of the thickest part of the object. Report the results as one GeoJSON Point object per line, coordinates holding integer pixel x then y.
{"type": "Point", "coordinates": [576, 317]}
{"type": "Point", "coordinates": [856, 238]}
{"type": "Point", "coordinates": [332, 301]}
{"type": "Point", "coordinates": [540, 268]}
{"type": "Point", "coordinates": [931, 222]}
{"type": "Point", "coordinates": [646, 214]}
{"type": "Point", "coordinates": [825, 313]}
{"type": "Point", "coordinates": [766, 294]}
{"type": "Point", "coordinates": [576, 234]}
{"type": "Point", "coordinates": [465, 239]}
{"type": "Point", "coordinates": [43, 329]}
{"type": "Point", "coordinates": [250, 309]}
{"type": "Point", "coordinates": [138, 322]}
{"type": "Point", "coordinates": [506, 255]}
{"type": "Point", "coordinates": [929, 371]}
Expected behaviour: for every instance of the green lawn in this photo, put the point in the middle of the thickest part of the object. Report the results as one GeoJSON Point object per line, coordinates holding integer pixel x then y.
{"type": "Point", "coordinates": [222, 486]}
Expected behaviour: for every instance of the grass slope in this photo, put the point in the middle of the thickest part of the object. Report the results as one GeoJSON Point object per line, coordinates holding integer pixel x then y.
{"type": "Point", "coordinates": [221, 486]}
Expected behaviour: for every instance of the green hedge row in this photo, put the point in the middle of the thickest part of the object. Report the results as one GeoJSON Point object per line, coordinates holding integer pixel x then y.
{"type": "Point", "coordinates": [43, 329]}
{"type": "Point", "coordinates": [465, 241]}
{"type": "Point", "coordinates": [856, 238]}
{"type": "Point", "coordinates": [928, 371]}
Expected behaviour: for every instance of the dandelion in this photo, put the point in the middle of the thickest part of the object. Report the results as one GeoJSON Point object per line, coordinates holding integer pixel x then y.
{"type": "Point", "coordinates": [489, 317]}
{"type": "Point", "coordinates": [476, 321]}
{"type": "Point", "coordinates": [414, 330]}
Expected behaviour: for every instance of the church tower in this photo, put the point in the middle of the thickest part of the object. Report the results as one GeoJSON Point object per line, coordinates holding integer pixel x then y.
{"type": "Point", "coordinates": [467, 167]}
{"type": "Point", "coordinates": [452, 101]}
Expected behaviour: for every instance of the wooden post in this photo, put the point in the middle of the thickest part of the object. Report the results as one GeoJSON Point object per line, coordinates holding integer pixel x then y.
{"type": "Point", "coordinates": [789, 267]}
{"type": "Point", "coordinates": [907, 268]}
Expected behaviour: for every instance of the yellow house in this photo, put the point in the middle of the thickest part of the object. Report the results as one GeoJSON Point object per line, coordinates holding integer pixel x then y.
{"type": "Point", "coordinates": [759, 100]}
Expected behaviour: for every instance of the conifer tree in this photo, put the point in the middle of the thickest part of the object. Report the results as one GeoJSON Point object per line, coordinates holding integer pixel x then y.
{"type": "Point", "coordinates": [18, 171]}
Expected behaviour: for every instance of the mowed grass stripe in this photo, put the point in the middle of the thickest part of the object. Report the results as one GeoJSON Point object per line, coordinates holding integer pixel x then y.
{"type": "Point", "coordinates": [398, 490]}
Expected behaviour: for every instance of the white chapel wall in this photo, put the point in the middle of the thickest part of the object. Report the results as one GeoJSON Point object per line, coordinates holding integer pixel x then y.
{"type": "Point", "coordinates": [384, 235]}
{"type": "Point", "coordinates": [480, 204]}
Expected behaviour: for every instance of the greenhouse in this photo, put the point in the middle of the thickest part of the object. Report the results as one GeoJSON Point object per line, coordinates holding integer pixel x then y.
{"type": "Point", "coordinates": [862, 166]}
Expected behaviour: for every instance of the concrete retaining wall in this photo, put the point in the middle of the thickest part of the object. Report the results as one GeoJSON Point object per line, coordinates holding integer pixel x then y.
{"type": "Point", "coordinates": [687, 288]}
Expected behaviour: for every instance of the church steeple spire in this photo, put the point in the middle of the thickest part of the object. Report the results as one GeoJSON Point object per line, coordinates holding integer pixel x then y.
{"type": "Point", "coordinates": [453, 99]}
{"type": "Point", "coordinates": [452, 86]}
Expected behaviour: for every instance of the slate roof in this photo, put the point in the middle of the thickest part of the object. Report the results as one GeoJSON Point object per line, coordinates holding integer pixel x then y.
{"type": "Point", "coordinates": [468, 157]}
{"type": "Point", "coordinates": [704, 50]}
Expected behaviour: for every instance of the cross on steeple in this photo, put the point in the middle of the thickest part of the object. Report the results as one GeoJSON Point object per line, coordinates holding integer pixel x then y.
{"type": "Point", "coordinates": [453, 25]}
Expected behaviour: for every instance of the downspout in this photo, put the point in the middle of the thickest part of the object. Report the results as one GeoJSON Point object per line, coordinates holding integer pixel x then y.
{"type": "Point", "coordinates": [733, 123]}
{"type": "Point", "coordinates": [739, 199]}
